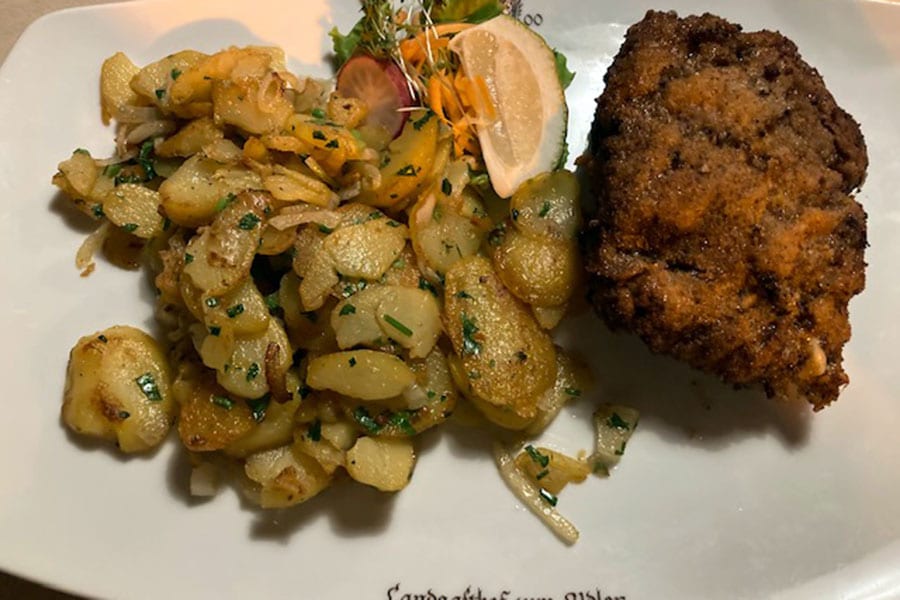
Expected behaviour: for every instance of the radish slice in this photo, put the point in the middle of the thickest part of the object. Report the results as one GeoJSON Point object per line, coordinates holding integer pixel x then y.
{"type": "Point", "coordinates": [382, 85]}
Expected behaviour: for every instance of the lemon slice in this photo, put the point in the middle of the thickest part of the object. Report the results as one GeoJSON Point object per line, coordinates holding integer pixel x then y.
{"type": "Point", "coordinates": [526, 134]}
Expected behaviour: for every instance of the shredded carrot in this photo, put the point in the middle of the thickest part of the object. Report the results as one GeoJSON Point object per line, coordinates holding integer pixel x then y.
{"type": "Point", "coordinates": [461, 136]}
{"type": "Point", "coordinates": [454, 98]}
{"type": "Point", "coordinates": [452, 105]}
{"type": "Point", "coordinates": [411, 52]}
{"type": "Point", "coordinates": [418, 49]}
{"type": "Point", "coordinates": [463, 88]}
{"type": "Point", "coordinates": [443, 29]}
{"type": "Point", "coordinates": [435, 101]}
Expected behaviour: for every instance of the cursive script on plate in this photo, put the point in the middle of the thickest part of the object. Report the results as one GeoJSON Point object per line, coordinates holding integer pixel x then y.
{"type": "Point", "coordinates": [396, 592]}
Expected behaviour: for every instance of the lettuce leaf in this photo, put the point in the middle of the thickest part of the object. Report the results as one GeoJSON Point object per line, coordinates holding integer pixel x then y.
{"type": "Point", "coordinates": [345, 45]}
{"type": "Point", "coordinates": [468, 11]}
{"type": "Point", "coordinates": [562, 70]}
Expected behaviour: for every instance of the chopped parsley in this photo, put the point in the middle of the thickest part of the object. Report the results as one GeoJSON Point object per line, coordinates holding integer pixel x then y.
{"type": "Point", "coordinates": [407, 171]}
{"type": "Point", "coordinates": [248, 221]}
{"type": "Point", "coordinates": [97, 211]}
{"type": "Point", "coordinates": [176, 73]}
{"type": "Point", "coordinates": [572, 391]}
{"type": "Point", "coordinates": [548, 497]}
{"type": "Point", "coordinates": [81, 151]}
{"type": "Point", "coordinates": [365, 420]}
{"type": "Point", "coordinates": [148, 385]}
{"type": "Point", "coordinates": [545, 209]}
{"type": "Point", "coordinates": [521, 356]}
{"type": "Point", "coordinates": [352, 288]}
{"type": "Point", "coordinates": [303, 391]}
{"type": "Point", "coordinates": [314, 431]}
{"type": "Point", "coordinates": [618, 422]}
{"type": "Point", "coordinates": [160, 94]}
{"type": "Point", "coordinates": [112, 170]}
{"type": "Point", "coordinates": [325, 229]}
{"type": "Point", "coordinates": [463, 294]}
{"type": "Point", "coordinates": [420, 122]}
{"type": "Point", "coordinates": [469, 329]}
{"type": "Point", "coordinates": [215, 330]}
{"type": "Point", "coordinates": [130, 227]}
{"type": "Point", "coordinates": [273, 303]}
{"type": "Point", "coordinates": [212, 302]}
{"type": "Point", "coordinates": [397, 325]}
{"type": "Point", "coordinates": [317, 113]}
{"type": "Point", "coordinates": [332, 144]}
{"type": "Point", "coordinates": [124, 414]}
{"type": "Point", "coordinates": [188, 258]}
{"type": "Point", "coordinates": [224, 201]}
{"type": "Point", "coordinates": [252, 371]}
{"type": "Point", "coordinates": [446, 187]}
{"type": "Point", "coordinates": [103, 338]}
{"type": "Point", "coordinates": [235, 310]}
{"type": "Point", "coordinates": [400, 420]}
{"type": "Point", "coordinates": [319, 135]}
{"type": "Point", "coordinates": [426, 285]}
{"type": "Point", "coordinates": [542, 459]}
{"type": "Point", "coordinates": [347, 309]}
{"type": "Point", "coordinates": [223, 401]}
{"type": "Point", "coordinates": [497, 235]}
{"type": "Point", "coordinates": [542, 474]}
{"type": "Point", "coordinates": [121, 178]}
{"type": "Point", "coordinates": [258, 407]}
{"type": "Point", "coordinates": [352, 361]}
{"type": "Point", "coordinates": [515, 214]}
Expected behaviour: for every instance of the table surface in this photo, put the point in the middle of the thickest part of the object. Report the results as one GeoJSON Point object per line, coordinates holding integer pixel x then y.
{"type": "Point", "coordinates": [17, 15]}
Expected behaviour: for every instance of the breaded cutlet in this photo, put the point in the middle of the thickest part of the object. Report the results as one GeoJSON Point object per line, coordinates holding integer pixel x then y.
{"type": "Point", "coordinates": [725, 231]}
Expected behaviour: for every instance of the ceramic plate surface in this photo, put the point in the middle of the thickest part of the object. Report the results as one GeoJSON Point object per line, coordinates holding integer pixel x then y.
{"type": "Point", "coordinates": [721, 494]}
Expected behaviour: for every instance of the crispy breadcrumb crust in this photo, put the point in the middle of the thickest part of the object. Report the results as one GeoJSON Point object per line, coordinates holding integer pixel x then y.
{"type": "Point", "coordinates": [724, 232]}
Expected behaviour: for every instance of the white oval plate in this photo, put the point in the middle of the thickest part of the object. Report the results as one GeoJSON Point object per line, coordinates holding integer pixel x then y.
{"type": "Point", "coordinates": [721, 494]}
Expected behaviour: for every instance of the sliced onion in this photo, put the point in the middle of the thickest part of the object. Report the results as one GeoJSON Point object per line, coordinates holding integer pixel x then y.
{"type": "Point", "coordinates": [121, 139]}
{"type": "Point", "coordinates": [530, 495]}
{"type": "Point", "coordinates": [349, 192]}
{"type": "Point", "coordinates": [301, 214]}
{"type": "Point", "coordinates": [613, 426]}
{"type": "Point", "coordinates": [415, 397]}
{"type": "Point", "coordinates": [271, 90]}
{"type": "Point", "coordinates": [292, 82]}
{"type": "Point", "coordinates": [128, 113]}
{"type": "Point", "coordinates": [370, 173]}
{"type": "Point", "coordinates": [84, 258]}
{"type": "Point", "coordinates": [116, 160]}
{"type": "Point", "coordinates": [150, 129]}
{"type": "Point", "coordinates": [204, 480]}
{"type": "Point", "coordinates": [369, 155]}
{"type": "Point", "coordinates": [318, 171]}
{"type": "Point", "coordinates": [424, 214]}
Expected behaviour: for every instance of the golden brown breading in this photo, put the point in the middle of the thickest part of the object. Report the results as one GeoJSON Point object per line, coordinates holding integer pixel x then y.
{"type": "Point", "coordinates": [725, 233]}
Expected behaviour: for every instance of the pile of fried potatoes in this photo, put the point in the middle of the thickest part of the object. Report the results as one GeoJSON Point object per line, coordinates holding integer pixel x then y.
{"type": "Point", "coordinates": [327, 293]}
